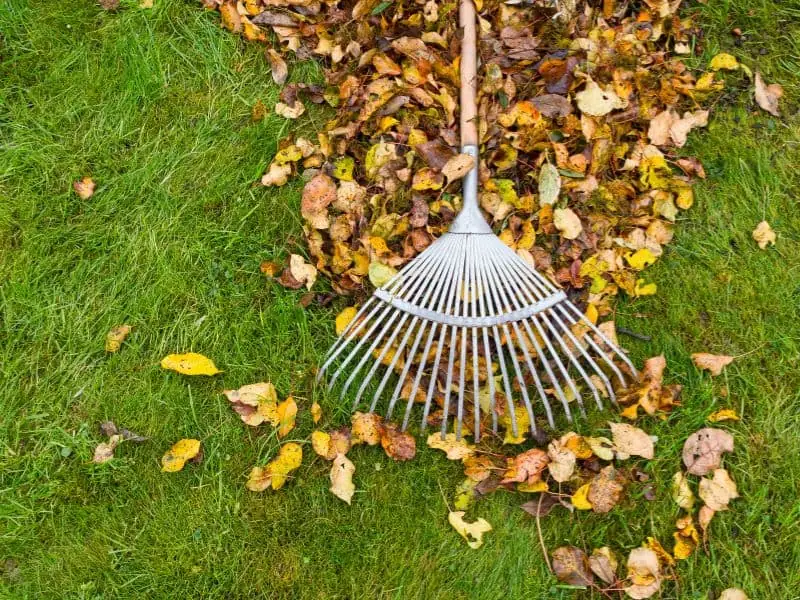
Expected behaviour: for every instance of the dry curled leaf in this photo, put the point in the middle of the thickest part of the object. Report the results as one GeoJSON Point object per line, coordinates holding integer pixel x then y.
{"type": "Point", "coordinates": [342, 485]}
{"type": "Point", "coordinates": [177, 456]}
{"type": "Point", "coordinates": [472, 532]}
{"type": "Point", "coordinates": [723, 414]}
{"type": "Point", "coordinates": [681, 492]}
{"type": "Point", "coordinates": [104, 451]}
{"type": "Point", "coordinates": [84, 188]}
{"type": "Point", "coordinates": [604, 564]}
{"type": "Point", "coordinates": [316, 412]}
{"type": "Point", "coordinates": [571, 566]}
{"type": "Point", "coordinates": [631, 440]}
{"type": "Point", "coordinates": [287, 413]}
{"type": "Point", "coordinates": [453, 448]}
{"type": "Point", "coordinates": [279, 69]}
{"type": "Point", "coordinates": [458, 166]}
{"type": "Point", "coordinates": [718, 491]}
{"type": "Point", "coordinates": [605, 489]}
{"type": "Point", "coordinates": [367, 428]}
{"type": "Point", "coordinates": [767, 96]}
{"type": "Point", "coordinates": [713, 363]}
{"type": "Point", "coordinates": [255, 403]}
{"type": "Point", "coordinates": [763, 235]}
{"type": "Point", "coordinates": [190, 363]}
{"type": "Point", "coordinates": [116, 336]}
{"type": "Point", "coordinates": [526, 467]}
{"type": "Point", "coordinates": [644, 573]}
{"type": "Point", "coordinates": [567, 222]}
{"type": "Point", "coordinates": [276, 472]}
{"type": "Point", "coordinates": [702, 451]}
{"type": "Point", "coordinates": [398, 445]}
{"type": "Point", "coordinates": [562, 461]}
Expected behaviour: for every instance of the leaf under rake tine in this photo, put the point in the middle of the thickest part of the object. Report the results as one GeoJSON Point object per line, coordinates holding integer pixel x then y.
{"type": "Point", "coordinates": [476, 407]}
{"type": "Point", "coordinates": [348, 335]}
{"type": "Point", "coordinates": [376, 362]}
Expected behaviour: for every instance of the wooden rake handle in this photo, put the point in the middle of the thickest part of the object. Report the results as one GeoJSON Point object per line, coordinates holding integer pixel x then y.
{"type": "Point", "coordinates": [469, 78]}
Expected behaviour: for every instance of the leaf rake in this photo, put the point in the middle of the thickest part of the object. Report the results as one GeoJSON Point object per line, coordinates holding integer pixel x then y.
{"type": "Point", "coordinates": [470, 297]}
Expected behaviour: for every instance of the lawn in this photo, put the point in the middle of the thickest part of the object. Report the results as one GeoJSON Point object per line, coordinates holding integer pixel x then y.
{"type": "Point", "coordinates": [155, 105]}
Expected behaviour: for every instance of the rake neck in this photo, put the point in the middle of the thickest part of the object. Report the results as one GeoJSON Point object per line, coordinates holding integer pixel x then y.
{"type": "Point", "coordinates": [470, 219]}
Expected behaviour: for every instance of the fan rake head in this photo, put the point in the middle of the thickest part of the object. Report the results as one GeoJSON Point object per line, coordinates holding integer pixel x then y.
{"type": "Point", "coordinates": [471, 326]}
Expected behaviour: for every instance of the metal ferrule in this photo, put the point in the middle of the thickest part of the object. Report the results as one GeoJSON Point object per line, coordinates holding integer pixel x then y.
{"type": "Point", "coordinates": [470, 219]}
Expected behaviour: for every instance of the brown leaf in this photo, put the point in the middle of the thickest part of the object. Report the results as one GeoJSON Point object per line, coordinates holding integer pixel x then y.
{"type": "Point", "coordinates": [458, 166]}
{"type": "Point", "coordinates": [317, 195]}
{"type": "Point", "coordinates": [526, 467]}
{"type": "Point", "coordinates": [571, 566]}
{"type": "Point", "coordinates": [116, 336]}
{"type": "Point", "coordinates": [605, 489]}
{"type": "Point", "coordinates": [767, 96]}
{"type": "Point", "coordinates": [367, 428]}
{"type": "Point", "coordinates": [435, 153]}
{"type": "Point", "coordinates": [398, 445]}
{"type": "Point", "coordinates": [604, 564]}
{"type": "Point", "coordinates": [702, 452]}
{"type": "Point", "coordinates": [552, 105]}
{"type": "Point", "coordinates": [104, 451]}
{"type": "Point", "coordinates": [632, 440]}
{"type": "Point", "coordinates": [713, 363]}
{"type": "Point", "coordinates": [644, 573]}
{"type": "Point", "coordinates": [279, 69]}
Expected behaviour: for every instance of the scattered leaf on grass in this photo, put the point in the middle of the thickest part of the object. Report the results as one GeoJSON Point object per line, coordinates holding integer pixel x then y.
{"type": "Point", "coordinates": [686, 538]}
{"type": "Point", "coordinates": [367, 428]}
{"type": "Point", "coordinates": [84, 188]}
{"type": "Point", "coordinates": [398, 445]}
{"type": "Point", "coordinates": [571, 566]}
{"type": "Point", "coordinates": [104, 451]}
{"type": "Point", "coordinates": [733, 594]}
{"type": "Point", "coordinates": [713, 363]}
{"type": "Point", "coordinates": [116, 336]}
{"type": "Point", "coordinates": [718, 491]}
{"type": "Point", "coordinates": [725, 61]}
{"type": "Point", "coordinates": [275, 473]}
{"type": "Point", "coordinates": [723, 414]}
{"type": "Point", "coordinates": [631, 440]}
{"type": "Point", "coordinates": [562, 461]}
{"type": "Point", "coordinates": [702, 451]}
{"type": "Point", "coordinates": [176, 457]}
{"type": "Point", "coordinates": [604, 564]}
{"type": "Point", "coordinates": [290, 112]}
{"type": "Point", "coordinates": [343, 319]}
{"type": "Point", "coordinates": [542, 505]}
{"type": "Point", "coordinates": [526, 467]}
{"type": "Point", "coordinates": [644, 573]}
{"type": "Point", "coordinates": [255, 403]}
{"type": "Point", "coordinates": [472, 532]}
{"type": "Point", "coordinates": [316, 412]}
{"type": "Point", "coordinates": [681, 492]}
{"type": "Point", "coordinates": [767, 96]}
{"type": "Point", "coordinates": [580, 499]}
{"type": "Point", "coordinates": [279, 69]}
{"type": "Point", "coordinates": [453, 448]}
{"type": "Point", "coordinates": [764, 235]}
{"type": "Point", "coordinates": [605, 489]}
{"type": "Point", "coordinates": [190, 363]}
{"type": "Point", "coordinates": [342, 485]}
{"type": "Point", "coordinates": [287, 412]}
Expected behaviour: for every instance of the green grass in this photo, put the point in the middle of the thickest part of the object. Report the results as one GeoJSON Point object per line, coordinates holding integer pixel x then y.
{"type": "Point", "coordinates": [155, 105]}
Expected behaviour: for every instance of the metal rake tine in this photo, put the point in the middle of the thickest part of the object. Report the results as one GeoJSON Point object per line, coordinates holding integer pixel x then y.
{"type": "Point", "coordinates": [476, 406]}
{"type": "Point", "coordinates": [376, 363]}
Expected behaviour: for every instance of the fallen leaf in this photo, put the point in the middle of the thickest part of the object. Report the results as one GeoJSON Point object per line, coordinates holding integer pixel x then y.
{"type": "Point", "coordinates": [595, 101]}
{"type": "Point", "coordinates": [526, 467]}
{"type": "Point", "coordinates": [562, 461]}
{"type": "Point", "coordinates": [104, 451]}
{"type": "Point", "coordinates": [702, 452]}
{"type": "Point", "coordinates": [367, 428]}
{"type": "Point", "coordinates": [116, 336]}
{"type": "Point", "coordinates": [567, 222]}
{"type": "Point", "coordinates": [276, 472]}
{"type": "Point", "coordinates": [571, 566]}
{"type": "Point", "coordinates": [458, 166]}
{"type": "Point", "coordinates": [604, 564]}
{"type": "Point", "coordinates": [301, 271]}
{"type": "Point", "coordinates": [724, 61]}
{"type": "Point", "coordinates": [713, 363]}
{"type": "Point", "coordinates": [632, 440]}
{"type": "Point", "coordinates": [343, 319]}
{"type": "Point", "coordinates": [380, 274]}
{"type": "Point", "coordinates": [277, 175]}
{"type": "Point", "coordinates": [644, 573]}
{"type": "Point", "coordinates": [718, 491]}
{"type": "Point", "coordinates": [544, 504]}
{"type": "Point", "coordinates": [342, 485]}
{"type": "Point", "coordinates": [176, 457]}
{"type": "Point", "coordinates": [686, 538]}
{"type": "Point", "coordinates": [453, 448]}
{"type": "Point", "coordinates": [287, 412]}
{"type": "Point", "coordinates": [318, 194]}
{"type": "Point", "coordinates": [764, 235]}
{"type": "Point", "coordinates": [733, 594]}
{"type": "Point", "coordinates": [605, 490]}
{"type": "Point", "coordinates": [471, 532]}
{"type": "Point", "coordinates": [316, 412]}
{"type": "Point", "coordinates": [255, 403]}
{"type": "Point", "coordinates": [190, 363]}
{"type": "Point", "coordinates": [681, 492]}
{"type": "Point", "coordinates": [290, 112]}
{"type": "Point", "coordinates": [704, 516]}
{"type": "Point", "coordinates": [580, 499]}
{"type": "Point", "coordinates": [723, 414]}
{"type": "Point", "coordinates": [279, 69]}
{"type": "Point", "coordinates": [549, 184]}
{"type": "Point", "coordinates": [84, 188]}
{"type": "Point", "coordinates": [398, 445]}
{"type": "Point", "coordinates": [767, 96]}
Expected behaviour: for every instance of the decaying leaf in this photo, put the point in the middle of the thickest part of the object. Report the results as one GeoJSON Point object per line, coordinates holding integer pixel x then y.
{"type": "Point", "coordinates": [453, 448]}
{"type": "Point", "coordinates": [681, 492]}
{"type": "Point", "coordinates": [702, 452]}
{"type": "Point", "coordinates": [733, 594]}
{"type": "Point", "coordinates": [104, 451]}
{"type": "Point", "coordinates": [526, 467]}
{"type": "Point", "coordinates": [604, 564]}
{"type": "Point", "coordinates": [367, 428]}
{"type": "Point", "coordinates": [644, 573]}
{"type": "Point", "coordinates": [290, 112]}
{"type": "Point", "coordinates": [597, 102]}
{"type": "Point", "coordinates": [342, 485]}
{"type": "Point", "coordinates": [255, 403]}
{"type": "Point", "coordinates": [279, 70]}
{"type": "Point", "coordinates": [767, 96]}
{"type": "Point", "coordinates": [562, 461]}
{"type": "Point", "coordinates": [718, 491]}
{"type": "Point", "coordinates": [190, 363]}
{"type": "Point", "coordinates": [398, 445]}
{"type": "Point", "coordinates": [713, 363]}
{"type": "Point", "coordinates": [276, 472]}
{"type": "Point", "coordinates": [116, 336]}
{"type": "Point", "coordinates": [177, 456]}
{"type": "Point", "coordinates": [472, 532]}
{"type": "Point", "coordinates": [631, 440]}
{"type": "Point", "coordinates": [549, 184]}
{"type": "Point", "coordinates": [328, 445]}
{"type": "Point", "coordinates": [84, 188]}
{"type": "Point", "coordinates": [686, 538]}
{"type": "Point", "coordinates": [457, 167]}
{"type": "Point", "coordinates": [725, 61]}
{"type": "Point", "coordinates": [763, 235]}
{"type": "Point", "coordinates": [605, 489]}
{"type": "Point", "coordinates": [286, 413]}
{"type": "Point", "coordinates": [571, 566]}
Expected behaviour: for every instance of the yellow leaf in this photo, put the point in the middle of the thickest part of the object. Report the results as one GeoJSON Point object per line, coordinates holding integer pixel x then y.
{"type": "Point", "coordinates": [190, 364]}
{"type": "Point", "coordinates": [321, 443]}
{"type": "Point", "coordinates": [640, 259]}
{"type": "Point", "coordinates": [536, 486]}
{"type": "Point", "coordinates": [724, 61]}
{"type": "Point", "coordinates": [686, 538]}
{"type": "Point", "coordinates": [342, 485]}
{"type": "Point", "coordinates": [287, 412]}
{"type": "Point", "coordinates": [580, 499]}
{"type": "Point", "coordinates": [681, 492]}
{"type": "Point", "coordinates": [255, 403]}
{"type": "Point", "coordinates": [472, 532]}
{"type": "Point", "coordinates": [644, 289]}
{"type": "Point", "coordinates": [523, 425]}
{"type": "Point", "coordinates": [116, 336]}
{"type": "Point", "coordinates": [454, 449]}
{"type": "Point", "coordinates": [724, 414]}
{"type": "Point", "coordinates": [343, 168]}
{"type": "Point", "coordinates": [427, 179]}
{"type": "Point", "coordinates": [592, 314]}
{"type": "Point", "coordinates": [288, 155]}
{"type": "Point", "coordinates": [84, 188]}
{"type": "Point", "coordinates": [380, 274]}
{"type": "Point", "coordinates": [276, 472]}
{"type": "Point", "coordinates": [367, 428]}
{"type": "Point", "coordinates": [343, 319]}
{"type": "Point", "coordinates": [316, 412]}
{"type": "Point", "coordinates": [465, 494]}
{"type": "Point", "coordinates": [764, 235]}
{"type": "Point", "coordinates": [177, 456]}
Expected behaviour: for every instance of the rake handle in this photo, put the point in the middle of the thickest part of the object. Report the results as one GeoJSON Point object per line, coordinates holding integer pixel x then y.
{"type": "Point", "coordinates": [469, 68]}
